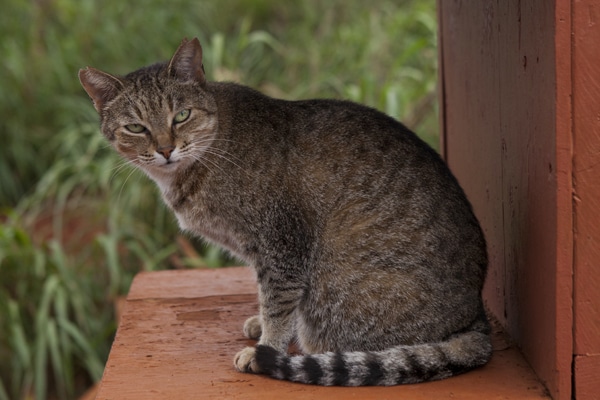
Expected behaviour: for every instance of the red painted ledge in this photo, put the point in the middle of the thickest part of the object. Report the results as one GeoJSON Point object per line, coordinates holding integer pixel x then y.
{"type": "Point", "coordinates": [180, 330]}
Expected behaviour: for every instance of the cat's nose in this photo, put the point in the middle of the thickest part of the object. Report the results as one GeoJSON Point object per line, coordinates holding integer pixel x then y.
{"type": "Point", "coordinates": [166, 151]}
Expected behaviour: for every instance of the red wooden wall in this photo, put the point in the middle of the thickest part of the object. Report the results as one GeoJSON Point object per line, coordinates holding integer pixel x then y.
{"type": "Point", "coordinates": [520, 101]}
{"type": "Point", "coordinates": [586, 189]}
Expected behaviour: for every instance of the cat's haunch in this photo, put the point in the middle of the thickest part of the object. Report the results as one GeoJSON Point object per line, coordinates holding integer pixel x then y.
{"type": "Point", "coordinates": [366, 250]}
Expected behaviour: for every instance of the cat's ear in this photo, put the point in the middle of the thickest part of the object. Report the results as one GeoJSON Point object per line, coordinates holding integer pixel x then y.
{"type": "Point", "coordinates": [100, 86]}
{"type": "Point", "coordinates": [186, 63]}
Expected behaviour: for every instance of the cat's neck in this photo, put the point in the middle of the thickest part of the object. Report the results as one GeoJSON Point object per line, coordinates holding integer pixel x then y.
{"type": "Point", "coordinates": [164, 180]}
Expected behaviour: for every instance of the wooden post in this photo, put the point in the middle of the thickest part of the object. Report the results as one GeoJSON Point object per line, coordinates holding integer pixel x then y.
{"type": "Point", "coordinates": [520, 108]}
{"type": "Point", "coordinates": [586, 185]}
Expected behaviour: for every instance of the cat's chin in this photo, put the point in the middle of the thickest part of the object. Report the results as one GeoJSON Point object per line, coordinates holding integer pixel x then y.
{"type": "Point", "coordinates": [170, 164]}
{"type": "Point", "coordinates": [164, 169]}
{"type": "Point", "coordinates": [163, 175]}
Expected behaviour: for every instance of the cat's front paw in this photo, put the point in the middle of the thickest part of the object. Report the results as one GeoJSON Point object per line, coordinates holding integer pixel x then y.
{"type": "Point", "coordinates": [244, 361]}
{"type": "Point", "coordinates": [253, 328]}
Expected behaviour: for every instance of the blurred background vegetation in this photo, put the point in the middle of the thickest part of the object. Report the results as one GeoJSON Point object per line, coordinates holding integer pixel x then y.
{"type": "Point", "coordinates": [76, 224]}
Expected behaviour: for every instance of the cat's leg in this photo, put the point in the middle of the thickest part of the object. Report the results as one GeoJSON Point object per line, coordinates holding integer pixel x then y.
{"type": "Point", "coordinates": [274, 325]}
{"type": "Point", "coordinates": [244, 360]}
{"type": "Point", "coordinates": [253, 327]}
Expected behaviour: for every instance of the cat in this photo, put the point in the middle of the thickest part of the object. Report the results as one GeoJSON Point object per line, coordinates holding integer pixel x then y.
{"type": "Point", "coordinates": [366, 251]}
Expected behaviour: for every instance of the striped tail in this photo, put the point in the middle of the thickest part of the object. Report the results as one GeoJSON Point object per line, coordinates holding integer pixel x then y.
{"type": "Point", "coordinates": [394, 366]}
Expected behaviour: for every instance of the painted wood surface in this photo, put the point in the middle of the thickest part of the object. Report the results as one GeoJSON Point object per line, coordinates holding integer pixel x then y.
{"type": "Point", "coordinates": [507, 138]}
{"type": "Point", "coordinates": [586, 185]}
{"type": "Point", "coordinates": [180, 330]}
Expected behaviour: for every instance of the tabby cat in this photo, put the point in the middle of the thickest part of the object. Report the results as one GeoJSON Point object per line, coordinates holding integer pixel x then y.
{"type": "Point", "coordinates": [366, 250]}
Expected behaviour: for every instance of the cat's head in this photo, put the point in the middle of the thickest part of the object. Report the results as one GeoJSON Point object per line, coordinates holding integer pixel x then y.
{"type": "Point", "coordinates": [159, 117]}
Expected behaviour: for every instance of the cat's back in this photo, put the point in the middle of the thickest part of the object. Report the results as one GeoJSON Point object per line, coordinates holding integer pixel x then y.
{"type": "Point", "coordinates": [358, 170]}
{"type": "Point", "coordinates": [335, 129]}
{"type": "Point", "coordinates": [365, 152]}
{"type": "Point", "coordinates": [337, 150]}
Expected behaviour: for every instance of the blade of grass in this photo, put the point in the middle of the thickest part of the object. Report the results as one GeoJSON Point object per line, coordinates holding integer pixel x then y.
{"type": "Point", "coordinates": [93, 364]}
{"type": "Point", "coordinates": [3, 393]}
{"type": "Point", "coordinates": [61, 380]}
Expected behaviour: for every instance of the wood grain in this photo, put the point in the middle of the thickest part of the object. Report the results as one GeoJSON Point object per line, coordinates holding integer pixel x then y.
{"type": "Point", "coordinates": [507, 137]}
{"type": "Point", "coordinates": [180, 331]}
{"type": "Point", "coordinates": [586, 189]}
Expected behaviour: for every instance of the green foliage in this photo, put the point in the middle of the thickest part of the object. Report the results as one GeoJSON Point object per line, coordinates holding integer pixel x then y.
{"type": "Point", "coordinates": [46, 318]}
{"type": "Point", "coordinates": [78, 222]}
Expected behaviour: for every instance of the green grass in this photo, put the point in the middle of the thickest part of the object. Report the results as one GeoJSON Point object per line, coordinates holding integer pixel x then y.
{"type": "Point", "coordinates": [77, 223]}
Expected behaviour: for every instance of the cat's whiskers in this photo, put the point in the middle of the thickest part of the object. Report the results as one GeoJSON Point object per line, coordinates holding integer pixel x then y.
{"type": "Point", "coordinates": [122, 165]}
{"type": "Point", "coordinates": [219, 152]}
{"type": "Point", "coordinates": [203, 162]}
{"type": "Point", "coordinates": [196, 148]}
{"type": "Point", "coordinates": [196, 154]}
{"type": "Point", "coordinates": [224, 156]}
{"type": "Point", "coordinates": [230, 156]}
{"type": "Point", "coordinates": [133, 170]}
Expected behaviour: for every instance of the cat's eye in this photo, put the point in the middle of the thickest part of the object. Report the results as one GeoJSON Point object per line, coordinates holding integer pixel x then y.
{"type": "Point", "coordinates": [135, 128]}
{"type": "Point", "coordinates": [181, 116]}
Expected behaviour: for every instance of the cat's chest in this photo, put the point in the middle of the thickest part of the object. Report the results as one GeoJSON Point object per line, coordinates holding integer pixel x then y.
{"type": "Point", "coordinates": [196, 215]}
{"type": "Point", "coordinates": [183, 223]}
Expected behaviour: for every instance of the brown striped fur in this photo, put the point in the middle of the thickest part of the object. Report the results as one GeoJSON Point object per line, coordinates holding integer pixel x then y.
{"type": "Point", "coordinates": [366, 250]}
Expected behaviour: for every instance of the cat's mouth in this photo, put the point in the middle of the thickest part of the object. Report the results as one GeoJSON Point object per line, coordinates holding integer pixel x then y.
{"type": "Point", "coordinates": [170, 164]}
{"type": "Point", "coordinates": [167, 165]}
